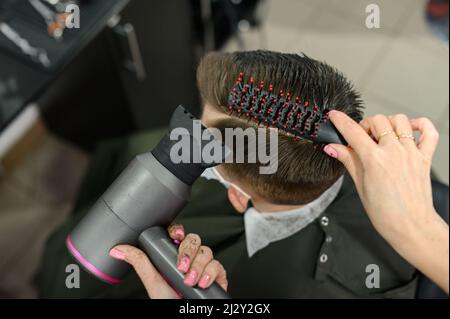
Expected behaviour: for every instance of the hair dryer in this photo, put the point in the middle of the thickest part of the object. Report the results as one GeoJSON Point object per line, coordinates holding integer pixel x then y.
{"type": "Point", "coordinates": [148, 194]}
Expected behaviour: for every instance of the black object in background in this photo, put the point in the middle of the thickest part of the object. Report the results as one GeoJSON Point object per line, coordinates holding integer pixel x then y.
{"type": "Point", "coordinates": [162, 32]}
{"type": "Point", "coordinates": [86, 104]}
{"type": "Point", "coordinates": [79, 96]}
{"type": "Point", "coordinates": [130, 78]}
{"type": "Point", "coordinates": [225, 15]}
{"type": "Point", "coordinates": [24, 19]}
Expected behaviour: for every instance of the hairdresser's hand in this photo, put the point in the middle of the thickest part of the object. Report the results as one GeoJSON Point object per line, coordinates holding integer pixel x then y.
{"type": "Point", "coordinates": [195, 260]}
{"type": "Point", "coordinates": [392, 177]}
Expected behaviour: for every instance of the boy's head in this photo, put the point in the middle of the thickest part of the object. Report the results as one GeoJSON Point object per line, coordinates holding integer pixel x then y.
{"type": "Point", "coordinates": [304, 171]}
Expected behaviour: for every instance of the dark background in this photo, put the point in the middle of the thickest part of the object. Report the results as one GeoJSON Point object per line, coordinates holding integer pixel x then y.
{"type": "Point", "coordinates": [90, 93]}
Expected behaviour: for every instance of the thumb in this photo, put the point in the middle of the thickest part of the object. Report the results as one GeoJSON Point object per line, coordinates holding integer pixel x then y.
{"type": "Point", "coordinates": [154, 283]}
{"type": "Point", "coordinates": [343, 154]}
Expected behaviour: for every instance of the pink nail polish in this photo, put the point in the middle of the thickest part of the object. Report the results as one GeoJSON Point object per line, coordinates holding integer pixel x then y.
{"type": "Point", "coordinates": [191, 278]}
{"type": "Point", "coordinates": [179, 232]}
{"type": "Point", "coordinates": [330, 151]}
{"type": "Point", "coordinates": [204, 281]}
{"type": "Point", "coordinates": [184, 264]}
{"type": "Point", "coordinates": [117, 254]}
{"type": "Point", "coordinates": [332, 113]}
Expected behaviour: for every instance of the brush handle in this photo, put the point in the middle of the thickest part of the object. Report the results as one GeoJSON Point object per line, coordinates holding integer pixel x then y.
{"type": "Point", "coordinates": [327, 133]}
{"type": "Point", "coordinates": [163, 254]}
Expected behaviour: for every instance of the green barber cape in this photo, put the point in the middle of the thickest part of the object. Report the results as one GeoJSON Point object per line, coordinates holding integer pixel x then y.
{"type": "Point", "coordinates": [339, 255]}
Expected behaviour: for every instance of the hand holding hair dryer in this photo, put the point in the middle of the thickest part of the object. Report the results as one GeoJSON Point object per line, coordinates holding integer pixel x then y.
{"type": "Point", "coordinates": [146, 197]}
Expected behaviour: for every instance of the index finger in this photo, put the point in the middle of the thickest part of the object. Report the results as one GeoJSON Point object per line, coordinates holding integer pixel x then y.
{"type": "Point", "coordinates": [353, 133]}
{"type": "Point", "coordinates": [176, 232]}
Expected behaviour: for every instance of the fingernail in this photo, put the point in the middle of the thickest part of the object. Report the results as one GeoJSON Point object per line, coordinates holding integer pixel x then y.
{"type": "Point", "coordinates": [190, 278]}
{"type": "Point", "coordinates": [184, 264]}
{"type": "Point", "coordinates": [179, 232]}
{"type": "Point", "coordinates": [204, 281]}
{"type": "Point", "coordinates": [330, 151]}
{"type": "Point", "coordinates": [332, 113]}
{"type": "Point", "coordinates": [117, 254]}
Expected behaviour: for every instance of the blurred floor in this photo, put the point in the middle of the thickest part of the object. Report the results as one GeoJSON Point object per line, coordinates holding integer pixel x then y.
{"type": "Point", "coordinates": [399, 68]}
{"type": "Point", "coordinates": [35, 197]}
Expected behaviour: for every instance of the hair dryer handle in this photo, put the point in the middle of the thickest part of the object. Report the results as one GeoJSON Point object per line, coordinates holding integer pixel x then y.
{"type": "Point", "coordinates": [163, 255]}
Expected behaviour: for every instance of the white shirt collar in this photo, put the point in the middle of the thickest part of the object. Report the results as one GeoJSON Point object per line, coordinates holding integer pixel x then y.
{"type": "Point", "coordinates": [262, 228]}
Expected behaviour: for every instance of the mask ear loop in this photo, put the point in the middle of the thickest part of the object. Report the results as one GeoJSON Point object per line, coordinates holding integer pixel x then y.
{"type": "Point", "coordinates": [224, 181]}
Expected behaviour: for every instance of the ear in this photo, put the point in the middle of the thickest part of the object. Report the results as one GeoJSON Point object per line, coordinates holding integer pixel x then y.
{"type": "Point", "coordinates": [237, 199]}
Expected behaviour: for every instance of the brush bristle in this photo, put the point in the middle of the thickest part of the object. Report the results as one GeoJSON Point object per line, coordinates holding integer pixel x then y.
{"type": "Point", "coordinates": [256, 102]}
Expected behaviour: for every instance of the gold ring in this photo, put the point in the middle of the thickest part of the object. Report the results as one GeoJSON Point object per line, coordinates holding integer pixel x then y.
{"type": "Point", "coordinates": [410, 136]}
{"type": "Point", "coordinates": [386, 133]}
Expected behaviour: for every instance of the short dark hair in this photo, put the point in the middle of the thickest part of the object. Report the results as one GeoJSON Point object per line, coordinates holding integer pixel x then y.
{"type": "Point", "coordinates": [304, 171]}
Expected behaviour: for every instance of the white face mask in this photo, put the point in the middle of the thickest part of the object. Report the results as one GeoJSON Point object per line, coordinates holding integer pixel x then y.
{"type": "Point", "coordinates": [213, 174]}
